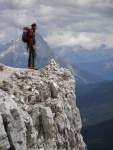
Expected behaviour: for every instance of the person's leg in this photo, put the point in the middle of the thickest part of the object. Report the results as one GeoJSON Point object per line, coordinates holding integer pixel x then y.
{"type": "Point", "coordinates": [30, 61]}
{"type": "Point", "coordinates": [34, 58]}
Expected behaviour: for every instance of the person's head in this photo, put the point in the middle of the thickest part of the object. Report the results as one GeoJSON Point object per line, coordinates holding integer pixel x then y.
{"type": "Point", "coordinates": [34, 26]}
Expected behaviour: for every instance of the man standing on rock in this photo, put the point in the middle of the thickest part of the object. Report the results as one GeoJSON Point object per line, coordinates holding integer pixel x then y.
{"type": "Point", "coordinates": [31, 45]}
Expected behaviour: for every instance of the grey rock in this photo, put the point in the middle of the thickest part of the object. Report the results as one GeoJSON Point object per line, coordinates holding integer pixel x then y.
{"type": "Point", "coordinates": [38, 112]}
{"type": "Point", "coordinates": [32, 99]}
{"type": "Point", "coordinates": [47, 119]}
{"type": "Point", "coordinates": [54, 89]}
{"type": "Point", "coordinates": [4, 143]}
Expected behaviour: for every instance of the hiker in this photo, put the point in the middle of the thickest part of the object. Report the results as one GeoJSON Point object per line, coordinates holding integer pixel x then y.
{"type": "Point", "coordinates": [31, 45]}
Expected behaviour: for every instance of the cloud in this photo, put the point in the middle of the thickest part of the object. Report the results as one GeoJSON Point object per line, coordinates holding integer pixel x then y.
{"type": "Point", "coordinates": [66, 22]}
{"type": "Point", "coordinates": [87, 40]}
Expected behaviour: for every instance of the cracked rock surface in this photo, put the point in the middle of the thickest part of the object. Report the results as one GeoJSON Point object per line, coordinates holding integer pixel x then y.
{"type": "Point", "coordinates": [38, 109]}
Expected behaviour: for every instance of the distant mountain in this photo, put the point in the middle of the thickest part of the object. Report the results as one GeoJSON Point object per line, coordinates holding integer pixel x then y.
{"type": "Point", "coordinates": [78, 54]}
{"type": "Point", "coordinates": [14, 54]}
{"type": "Point", "coordinates": [95, 102]}
{"type": "Point", "coordinates": [103, 68]}
{"type": "Point", "coordinates": [99, 136]}
{"type": "Point", "coordinates": [83, 77]}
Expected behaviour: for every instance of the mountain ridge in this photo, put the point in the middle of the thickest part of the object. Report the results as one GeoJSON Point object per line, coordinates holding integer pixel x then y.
{"type": "Point", "coordinates": [14, 54]}
{"type": "Point", "coordinates": [103, 68]}
{"type": "Point", "coordinates": [78, 54]}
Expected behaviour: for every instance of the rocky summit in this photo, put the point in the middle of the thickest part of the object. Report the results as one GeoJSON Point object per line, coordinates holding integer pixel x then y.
{"type": "Point", "coordinates": [38, 109]}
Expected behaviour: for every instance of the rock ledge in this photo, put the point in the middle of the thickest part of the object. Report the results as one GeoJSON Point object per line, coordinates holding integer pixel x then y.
{"type": "Point", "coordinates": [38, 110]}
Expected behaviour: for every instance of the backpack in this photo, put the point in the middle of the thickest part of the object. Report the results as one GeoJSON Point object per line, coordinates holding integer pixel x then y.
{"type": "Point", "coordinates": [25, 35]}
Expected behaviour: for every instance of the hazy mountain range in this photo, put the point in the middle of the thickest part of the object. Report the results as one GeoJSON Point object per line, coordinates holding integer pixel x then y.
{"type": "Point", "coordinates": [103, 68]}
{"type": "Point", "coordinates": [14, 54]}
{"type": "Point", "coordinates": [78, 54]}
{"type": "Point", "coordinates": [98, 61]}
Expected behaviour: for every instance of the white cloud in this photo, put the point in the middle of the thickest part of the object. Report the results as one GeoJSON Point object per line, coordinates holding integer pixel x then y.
{"type": "Point", "coordinates": [61, 22]}
{"type": "Point", "coordinates": [87, 40]}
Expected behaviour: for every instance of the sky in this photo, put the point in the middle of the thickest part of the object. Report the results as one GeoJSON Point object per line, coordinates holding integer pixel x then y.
{"type": "Point", "coordinates": [88, 23]}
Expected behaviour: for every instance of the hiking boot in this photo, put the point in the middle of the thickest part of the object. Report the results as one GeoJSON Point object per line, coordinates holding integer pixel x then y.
{"type": "Point", "coordinates": [30, 67]}
{"type": "Point", "coordinates": [35, 68]}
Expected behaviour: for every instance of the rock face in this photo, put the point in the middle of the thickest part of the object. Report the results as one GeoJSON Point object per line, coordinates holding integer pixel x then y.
{"type": "Point", "coordinates": [38, 110]}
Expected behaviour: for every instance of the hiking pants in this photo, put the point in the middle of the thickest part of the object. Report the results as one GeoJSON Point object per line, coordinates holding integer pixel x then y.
{"type": "Point", "coordinates": [32, 56]}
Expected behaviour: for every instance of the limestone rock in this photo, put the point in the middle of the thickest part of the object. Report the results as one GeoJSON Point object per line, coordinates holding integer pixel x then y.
{"type": "Point", "coordinates": [38, 110]}
{"type": "Point", "coordinates": [4, 143]}
{"type": "Point", "coordinates": [54, 89]}
{"type": "Point", "coordinates": [47, 119]}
